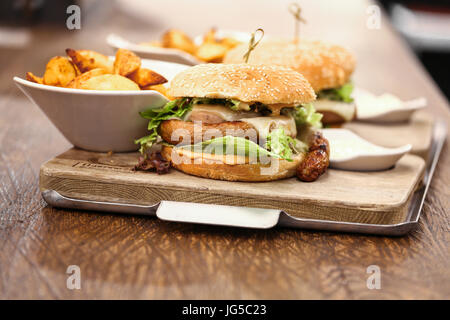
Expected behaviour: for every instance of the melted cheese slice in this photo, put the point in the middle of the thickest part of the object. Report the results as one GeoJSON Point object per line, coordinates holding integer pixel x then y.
{"type": "Point", "coordinates": [264, 125]}
{"type": "Point", "coordinates": [345, 110]}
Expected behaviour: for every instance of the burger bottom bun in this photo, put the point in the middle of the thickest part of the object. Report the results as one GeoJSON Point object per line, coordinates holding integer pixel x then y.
{"type": "Point", "coordinates": [238, 169]}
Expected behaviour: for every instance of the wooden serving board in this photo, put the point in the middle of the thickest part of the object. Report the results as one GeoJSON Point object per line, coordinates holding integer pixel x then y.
{"type": "Point", "coordinates": [366, 197]}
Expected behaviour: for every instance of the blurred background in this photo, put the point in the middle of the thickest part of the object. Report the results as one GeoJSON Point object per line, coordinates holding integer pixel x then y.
{"type": "Point", "coordinates": [426, 27]}
{"type": "Point", "coordinates": [424, 24]}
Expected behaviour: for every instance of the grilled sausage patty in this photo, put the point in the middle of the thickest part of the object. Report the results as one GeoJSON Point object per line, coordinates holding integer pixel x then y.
{"type": "Point", "coordinates": [316, 160]}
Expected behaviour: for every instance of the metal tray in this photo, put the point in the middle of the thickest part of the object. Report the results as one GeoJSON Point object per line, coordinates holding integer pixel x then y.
{"type": "Point", "coordinates": [258, 218]}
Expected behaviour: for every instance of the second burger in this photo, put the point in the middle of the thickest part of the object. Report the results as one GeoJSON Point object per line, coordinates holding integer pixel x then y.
{"type": "Point", "coordinates": [327, 67]}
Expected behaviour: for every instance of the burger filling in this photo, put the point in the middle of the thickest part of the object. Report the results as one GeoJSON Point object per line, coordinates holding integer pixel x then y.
{"type": "Point", "coordinates": [279, 128]}
{"type": "Point", "coordinates": [336, 104]}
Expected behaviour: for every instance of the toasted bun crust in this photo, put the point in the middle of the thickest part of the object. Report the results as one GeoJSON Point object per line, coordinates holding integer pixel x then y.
{"type": "Point", "coordinates": [217, 167]}
{"type": "Point", "coordinates": [324, 65]}
{"type": "Point", "coordinates": [244, 82]}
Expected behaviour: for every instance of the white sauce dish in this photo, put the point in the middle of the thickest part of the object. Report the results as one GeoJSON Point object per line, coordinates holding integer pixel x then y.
{"type": "Point", "coordinates": [349, 151]}
{"type": "Point", "coordinates": [384, 108]}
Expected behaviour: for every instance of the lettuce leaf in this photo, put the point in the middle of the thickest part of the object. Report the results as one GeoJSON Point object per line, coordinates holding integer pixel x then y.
{"type": "Point", "coordinates": [232, 146]}
{"type": "Point", "coordinates": [279, 143]}
{"type": "Point", "coordinates": [343, 93]}
{"type": "Point", "coordinates": [306, 115]}
{"type": "Point", "coordinates": [177, 109]}
{"type": "Point", "coordinates": [173, 109]}
{"type": "Point", "coordinates": [233, 104]}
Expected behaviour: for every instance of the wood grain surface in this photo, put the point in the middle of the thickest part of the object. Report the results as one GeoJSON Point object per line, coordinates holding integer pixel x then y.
{"type": "Point", "coordinates": [381, 197]}
{"type": "Point", "coordinates": [144, 258]}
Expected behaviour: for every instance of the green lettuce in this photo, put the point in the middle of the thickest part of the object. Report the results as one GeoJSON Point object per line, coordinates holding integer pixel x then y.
{"type": "Point", "coordinates": [233, 104]}
{"type": "Point", "coordinates": [177, 109]}
{"type": "Point", "coordinates": [306, 115]}
{"type": "Point", "coordinates": [279, 143]}
{"type": "Point", "coordinates": [343, 93]}
{"type": "Point", "coordinates": [173, 109]}
{"type": "Point", "coordinates": [231, 145]}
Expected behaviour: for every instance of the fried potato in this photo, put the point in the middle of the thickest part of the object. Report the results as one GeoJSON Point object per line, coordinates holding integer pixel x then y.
{"type": "Point", "coordinates": [155, 43]}
{"type": "Point", "coordinates": [211, 52]}
{"type": "Point", "coordinates": [161, 89]}
{"type": "Point", "coordinates": [87, 60]}
{"type": "Point", "coordinates": [78, 82]}
{"type": "Point", "coordinates": [109, 82]}
{"type": "Point", "coordinates": [145, 77]}
{"type": "Point", "coordinates": [59, 72]}
{"type": "Point", "coordinates": [31, 77]}
{"type": "Point", "coordinates": [178, 40]}
{"type": "Point", "coordinates": [210, 36]}
{"type": "Point", "coordinates": [126, 62]}
{"type": "Point", "coordinates": [230, 43]}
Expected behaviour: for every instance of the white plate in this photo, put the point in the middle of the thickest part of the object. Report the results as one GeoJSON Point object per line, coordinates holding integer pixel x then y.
{"type": "Point", "coordinates": [384, 108]}
{"type": "Point", "coordinates": [168, 54]}
{"type": "Point", "coordinates": [99, 120]}
{"type": "Point", "coordinates": [349, 151]}
{"type": "Point", "coordinates": [155, 53]}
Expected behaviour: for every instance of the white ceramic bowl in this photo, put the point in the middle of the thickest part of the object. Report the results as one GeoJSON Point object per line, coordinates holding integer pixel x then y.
{"type": "Point", "coordinates": [384, 108]}
{"type": "Point", "coordinates": [351, 152]}
{"type": "Point", "coordinates": [99, 120]}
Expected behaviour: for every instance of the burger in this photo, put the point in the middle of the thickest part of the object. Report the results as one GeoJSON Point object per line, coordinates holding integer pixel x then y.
{"type": "Point", "coordinates": [239, 122]}
{"type": "Point", "coordinates": [327, 67]}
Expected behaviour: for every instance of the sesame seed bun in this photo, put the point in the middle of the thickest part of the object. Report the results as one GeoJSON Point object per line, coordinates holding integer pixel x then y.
{"type": "Point", "coordinates": [230, 168]}
{"type": "Point", "coordinates": [244, 82]}
{"type": "Point", "coordinates": [324, 65]}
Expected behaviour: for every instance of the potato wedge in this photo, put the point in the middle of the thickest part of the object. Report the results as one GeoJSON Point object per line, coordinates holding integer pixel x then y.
{"type": "Point", "coordinates": [145, 77]}
{"type": "Point", "coordinates": [109, 82]}
{"type": "Point", "coordinates": [211, 52]}
{"type": "Point", "coordinates": [161, 89]}
{"type": "Point", "coordinates": [230, 43]}
{"type": "Point", "coordinates": [155, 43]}
{"type": "Point", "coordinates": [31, 77]}
{"type": "Point", "coordinates": [126, 62]}
{"type": "Point", "coordinates": [87, 60]}
{"type": "Point", "coordinates": [77, 83]}
{"type": "Point", "coordinates": [59, 71]}
{"type": "Point", "coordinates": [178, 40]}
{"type": "Point", "coordinates": [210, 36]}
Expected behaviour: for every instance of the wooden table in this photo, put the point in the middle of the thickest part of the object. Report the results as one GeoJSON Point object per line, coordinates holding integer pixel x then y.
{"type": "Point", "coordinates": [144, 258]}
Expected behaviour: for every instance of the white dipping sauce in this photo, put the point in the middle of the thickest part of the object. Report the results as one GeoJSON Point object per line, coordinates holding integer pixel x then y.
{"type": "Point", "coordinates": [343, 148]}
{"type": "Point", "coordinates": [369, 106]}
{"type": "Point", "coordinates": [351, 152]}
